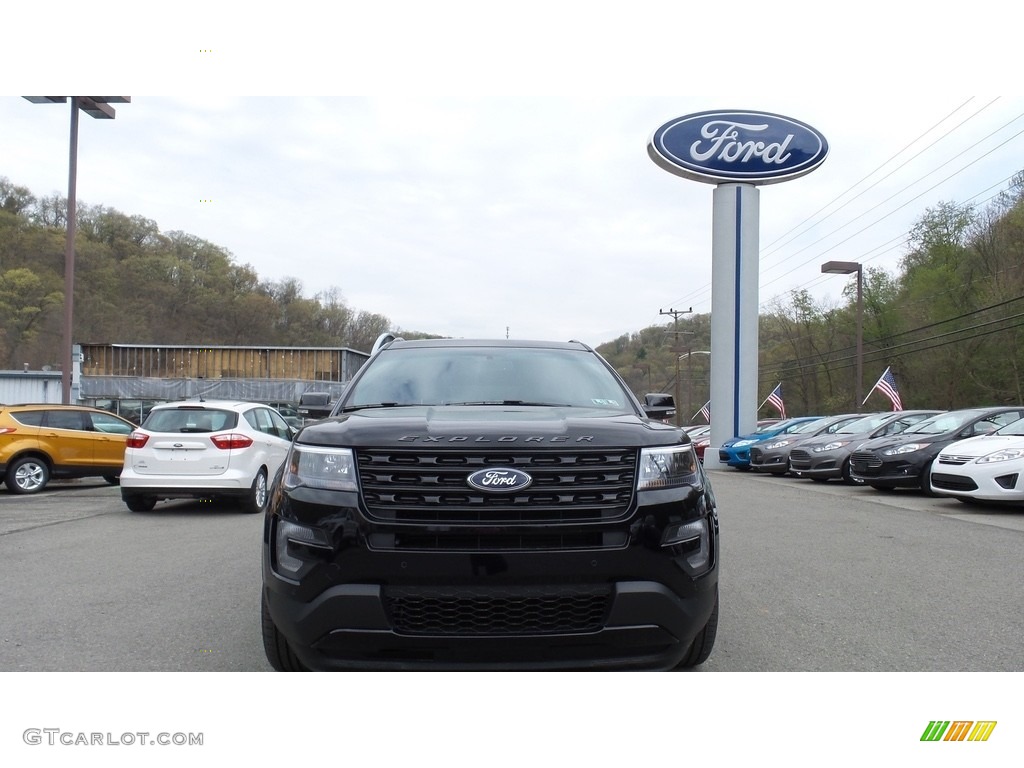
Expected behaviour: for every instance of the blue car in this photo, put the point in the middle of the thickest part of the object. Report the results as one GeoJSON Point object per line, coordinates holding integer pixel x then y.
{"type": "Point", "coordinates": [736, 452]}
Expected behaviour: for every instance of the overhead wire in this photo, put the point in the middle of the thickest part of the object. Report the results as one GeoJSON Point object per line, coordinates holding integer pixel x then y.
{"type": "Point", "coordinates": [699, 294]}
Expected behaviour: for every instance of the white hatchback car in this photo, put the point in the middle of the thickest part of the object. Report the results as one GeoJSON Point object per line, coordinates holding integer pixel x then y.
{"type": "Point", "coordinates": [205, 449]}
{"type": "Point", "coordinates": [983, 468]}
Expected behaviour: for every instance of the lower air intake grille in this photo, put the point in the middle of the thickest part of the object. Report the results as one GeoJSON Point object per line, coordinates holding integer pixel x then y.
{"type": "Point", "coordinates": [497, 611]}
{"type": "Point", "coordinates": [953, 482]}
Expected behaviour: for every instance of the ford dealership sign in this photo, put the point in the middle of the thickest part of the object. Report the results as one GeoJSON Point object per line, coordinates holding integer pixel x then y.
{"type": "Point", "coordinates": [737, 146]}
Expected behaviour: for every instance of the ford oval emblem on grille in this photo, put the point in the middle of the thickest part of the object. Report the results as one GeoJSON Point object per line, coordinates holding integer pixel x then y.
{"type": "Point", "coordinates": [499, 480]}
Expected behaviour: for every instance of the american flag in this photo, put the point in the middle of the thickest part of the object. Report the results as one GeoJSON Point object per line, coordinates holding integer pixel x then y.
{"type": "Point", "coordinates": [887, 385]}
{"type": "Point", "coordinates": [705, 411]}
{"type": "Point", "coordinates": [775, 398]}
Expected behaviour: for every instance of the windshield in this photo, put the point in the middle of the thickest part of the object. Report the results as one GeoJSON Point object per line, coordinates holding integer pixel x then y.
{"type": "Point", "coordinates": [809, 426]}
{"type": "Point", "coordinates": [1015, 429]}
{"type": "Point", "coordinates": [944, 422]}
{"type": "Point", "coordinates": [867, 424]}
{"type": "Point", "coordinates": [487, 376]}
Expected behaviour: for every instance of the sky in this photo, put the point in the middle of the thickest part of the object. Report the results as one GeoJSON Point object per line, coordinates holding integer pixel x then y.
{"type": "Point", "coordinates": [530, 209]}
{"type": "Point", "coordinates": [480, 170]}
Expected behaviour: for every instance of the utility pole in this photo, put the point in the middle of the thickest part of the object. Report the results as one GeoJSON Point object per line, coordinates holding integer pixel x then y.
{"type": "Point", "coordinates": [675, 313]}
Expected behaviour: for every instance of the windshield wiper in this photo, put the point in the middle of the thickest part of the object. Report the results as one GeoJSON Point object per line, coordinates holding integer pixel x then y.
{"type": "Point", "coordinates": [350, 408]}
{"type": "Point", "coordinates": [513, 402]}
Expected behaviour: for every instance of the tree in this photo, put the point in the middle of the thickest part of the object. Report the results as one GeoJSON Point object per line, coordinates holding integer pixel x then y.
{"type": "Point", "coordinates": [25, 301]}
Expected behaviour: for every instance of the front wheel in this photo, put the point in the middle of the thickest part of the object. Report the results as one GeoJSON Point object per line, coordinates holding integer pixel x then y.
{"type": "Point", "coordinates": [258, 496]}
{"type": "Point", "coordinates": [27, 475]}
{"type": "Point", "coordinates": [704, 642]}
{"type": "Point", "coordinates": [275, 646]}
{"type": "Point", "coordinates": [926, 480]}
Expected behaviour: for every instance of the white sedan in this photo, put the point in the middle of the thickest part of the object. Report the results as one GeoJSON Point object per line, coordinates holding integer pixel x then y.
{"type": "Point", "coordinates": [984, 468]}
{"type": "Point", "coordinates": [205, 450]}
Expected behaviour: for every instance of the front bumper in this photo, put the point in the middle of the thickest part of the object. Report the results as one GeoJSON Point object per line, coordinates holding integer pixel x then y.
{"type": "Point", "coordinates": [773, 462]}
{"type": "Point", "coordinates": [1001, 482]}
{"type": "Point", "coordinates": [644, 626]}
{"type": "Point", "coordinates": [887, 474]}
{"type": "Point", "coordinates": [824, 465]}
{"type": "Point", "coordinates": [363, 603]}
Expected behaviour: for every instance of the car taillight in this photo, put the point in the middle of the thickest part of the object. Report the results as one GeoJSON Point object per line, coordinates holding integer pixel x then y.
{"type": "Point", "coordinates": [136, 440]}
{"type": "Point", "coordinates": [232, 440]}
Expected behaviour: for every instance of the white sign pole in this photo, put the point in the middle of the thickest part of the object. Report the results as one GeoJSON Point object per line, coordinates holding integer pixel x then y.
{"type": "Point", "coordinates": [734, 314]}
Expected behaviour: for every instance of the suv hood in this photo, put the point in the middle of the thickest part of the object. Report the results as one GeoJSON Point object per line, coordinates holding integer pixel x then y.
{"type": "Point", "coordinates": [488, 426]}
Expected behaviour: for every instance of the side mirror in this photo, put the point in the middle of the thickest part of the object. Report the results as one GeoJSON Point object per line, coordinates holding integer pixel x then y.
{"type": "Point", "coordinates": [659, 405]}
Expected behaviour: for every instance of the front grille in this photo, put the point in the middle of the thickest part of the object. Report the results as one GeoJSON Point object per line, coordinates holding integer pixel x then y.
{"type": "Point", "coordinates": [430, 488]}
{"type": "Point", "coordinates": [496, 611]}
{"type": "Point", "coordinates": [863, 462]}
{"type": "Point", "coordinates": [953, 482]}
{"type": "Point", "coordinates": [955, 460]}
{"type": "Point", "coordinates": [799, 459]}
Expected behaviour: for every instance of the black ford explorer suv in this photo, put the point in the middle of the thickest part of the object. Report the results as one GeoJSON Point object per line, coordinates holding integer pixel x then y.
{"type": "Point", "coordinates": [490, 505]}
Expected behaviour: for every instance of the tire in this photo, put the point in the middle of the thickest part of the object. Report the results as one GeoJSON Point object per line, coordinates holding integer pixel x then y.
{"type": "Point", "coordinates": [259, 494]}
{"type": "Point", "coordinates": [887, 488]}
{"type": "Point", "coordinates": [140, 503]}
{"type": "Point", "coordinates": [704, 642]}
{"type": "Point", "coordinates": [275, 646]}
{"type": "Point", "coordinates": [847, 477]}
{"type": "Point", "coordinates": [112, 479]}
{"type": "Point", "coordinates": [27, 475]}
{"type": "Point", "coordinates": [926, 480]}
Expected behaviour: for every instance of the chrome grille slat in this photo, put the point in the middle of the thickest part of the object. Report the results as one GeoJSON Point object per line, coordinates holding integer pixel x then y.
{"type": "Point", "coordinates": [429, 487]}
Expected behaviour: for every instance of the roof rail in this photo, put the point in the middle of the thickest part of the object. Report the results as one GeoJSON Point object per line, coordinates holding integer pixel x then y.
{"type": "Point", "coordinates": [384, 339]}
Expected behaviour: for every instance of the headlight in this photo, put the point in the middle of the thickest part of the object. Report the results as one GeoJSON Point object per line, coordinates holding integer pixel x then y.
{"type": "Point", "coordinates": [666, 467]}
{"type": "Point", "coordinates": [906, 448]}
{"type": "Point", "coordinates": [773, 446]}
{"type": "Point", "coordinates": [831, 446]}
{"type": "Point", "coordinates": [742, 443]}
{"type": "Point", "coordinates": [1008, 454]}
{"type": "Point", "coordinates": [317, 467]}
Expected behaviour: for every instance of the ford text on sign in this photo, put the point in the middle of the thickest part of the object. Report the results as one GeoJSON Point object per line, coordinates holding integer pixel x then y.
{"type": "Point", "coordinates": [737, 146]}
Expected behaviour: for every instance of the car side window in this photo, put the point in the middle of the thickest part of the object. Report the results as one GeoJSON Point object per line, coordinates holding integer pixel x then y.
{"type": "Point", "coordinates": [278, 426]}
{"type": "Point", "coordinates": [29, 418]}
{"type": "Point", "coordinates": [65, 420]}
{"type": "Point", "coordinates": [102, 422]}
{"type": "Point", "coordinates": [254, 422]}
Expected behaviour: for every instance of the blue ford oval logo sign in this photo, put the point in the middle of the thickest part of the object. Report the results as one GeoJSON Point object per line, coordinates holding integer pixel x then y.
{"type": "Point", "coordinates": [737, 146]}
{"type": "Point", "coordinates": [499, 479]}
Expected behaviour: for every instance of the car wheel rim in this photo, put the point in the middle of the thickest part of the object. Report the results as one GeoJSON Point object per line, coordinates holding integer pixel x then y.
{"type": "Point", "coordinates": [261, 490]}
{"type": "Point", "coordinates": [29, 477]}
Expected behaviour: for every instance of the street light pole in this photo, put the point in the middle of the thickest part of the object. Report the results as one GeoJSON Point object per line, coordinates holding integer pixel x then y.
{"type": "Point", "coordinates": [848, 268]}
{"type": "Point", "coordinates": [98, 107]}
{"type": "Point", "coordinates": [689, 374]}
{"type": "Point", "coordinates": [675, 318]}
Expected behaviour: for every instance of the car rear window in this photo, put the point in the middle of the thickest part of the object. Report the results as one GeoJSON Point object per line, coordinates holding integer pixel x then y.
{"type": "Point", "coordinates": [190, 420]}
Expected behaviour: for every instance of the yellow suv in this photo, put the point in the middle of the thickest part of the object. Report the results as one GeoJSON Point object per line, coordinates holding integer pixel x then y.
{"type": "Point", "coordinates": [43, 441]}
